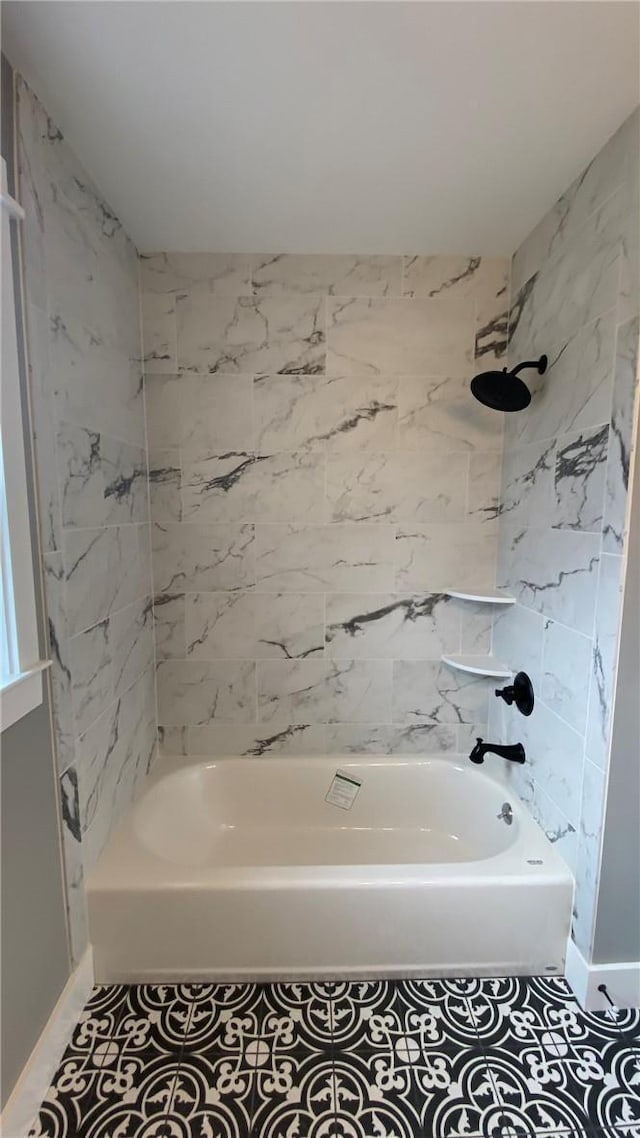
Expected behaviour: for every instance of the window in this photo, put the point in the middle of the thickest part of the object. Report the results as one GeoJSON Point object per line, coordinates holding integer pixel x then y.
{"type": "Point", "coordinates": [20, 666]}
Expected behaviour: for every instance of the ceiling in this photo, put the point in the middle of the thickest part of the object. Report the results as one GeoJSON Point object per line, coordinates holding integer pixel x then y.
{"type": "Point", "coordinates": [333, 126]}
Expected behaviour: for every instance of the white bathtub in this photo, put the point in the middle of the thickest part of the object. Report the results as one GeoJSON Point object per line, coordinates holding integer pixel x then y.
{"type": "Point", "coordinates": [237, 868]}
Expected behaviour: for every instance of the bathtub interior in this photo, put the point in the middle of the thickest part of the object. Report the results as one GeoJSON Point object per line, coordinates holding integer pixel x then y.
{"type": "Point", "coordinates": [244, 812]}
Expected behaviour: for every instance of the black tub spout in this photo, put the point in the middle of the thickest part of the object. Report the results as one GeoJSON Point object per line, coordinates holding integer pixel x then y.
{"type": "Point", "coordinates": [514, 753]}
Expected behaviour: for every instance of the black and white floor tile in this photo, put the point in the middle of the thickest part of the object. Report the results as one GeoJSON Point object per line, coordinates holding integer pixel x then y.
{"type": "Point", "coordinates": [493, 1058]}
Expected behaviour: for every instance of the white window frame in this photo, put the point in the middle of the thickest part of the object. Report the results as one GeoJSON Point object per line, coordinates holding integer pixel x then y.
{"type": "Point", "coordinates": [22, 691]}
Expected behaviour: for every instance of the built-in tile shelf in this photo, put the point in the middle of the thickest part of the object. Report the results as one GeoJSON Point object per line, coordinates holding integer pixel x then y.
{"type": "Point", "coordinates": [479, 665]}
{"type": "Point", "coordinates": [487, 596]}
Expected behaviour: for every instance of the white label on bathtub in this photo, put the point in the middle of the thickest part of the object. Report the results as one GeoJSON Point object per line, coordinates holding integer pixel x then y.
{"type": "Point", "coordinates": [343, 790]}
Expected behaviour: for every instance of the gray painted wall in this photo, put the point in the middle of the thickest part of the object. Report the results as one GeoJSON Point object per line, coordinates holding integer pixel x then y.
{"type": "Point", "coordinates": [617, 931]}
{"type": "Point", "coordinates": [35, 955]}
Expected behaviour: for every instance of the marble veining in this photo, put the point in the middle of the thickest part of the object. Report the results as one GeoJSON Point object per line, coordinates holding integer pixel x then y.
{"type": "Point", "coordinates": [247, 334]}
{"type": "Point", "coordinates": [318, 474]}
{"type": "Point", "coordinates": [318, 691]}
{"type": "Point", "coordinates": [302, 558]}
{"type": "Point", "coordinates": [333, 274]}
{"type": "Point", "coordinates": [432, 557]}
{"type": "Point", "coordinates": [580, 463]}
{"type": "Point", "coordinates": [82, 325]}
{"type": "Point", "coordinates": [392, 626]}
{"type": "Point", "coordinates": [410, 337]}
{"type": "Point", "coordinates": [200, 415]}
{"type": "Point", "coordinates": [202, 557]}
{"type": "Point", "coordinates": [625, 386]}
{"type": "Point", "coordinates": [334, 412]}
{"type": "Point", "coordinates": [397, 487]}
{"type": "Point", "coordinates": [427, 691]}
{"type": "Point", "coordinates": [565, 498]}
{"type": "Point", "coordinates": [245, 487]}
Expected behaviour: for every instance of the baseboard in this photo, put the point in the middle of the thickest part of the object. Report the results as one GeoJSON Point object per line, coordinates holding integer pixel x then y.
{"type": "Point", "coordinates": [24, 1102]}
{"type": "Point", "coordinates": [622, 981]}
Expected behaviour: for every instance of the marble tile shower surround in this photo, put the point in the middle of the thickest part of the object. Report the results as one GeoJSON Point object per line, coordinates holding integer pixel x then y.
{"type": "Point", "coordinates": [564, 500]}
{"type": "Point", "coordinates": [319, 475]}
{"type": "Point", "coordinates": [81, 283]}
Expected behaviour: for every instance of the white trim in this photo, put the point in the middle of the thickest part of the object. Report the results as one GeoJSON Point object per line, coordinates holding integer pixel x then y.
{"type": "Point", "coordinates": [24, 1102]}
{"type": "Point", "coordinates": [622, 981]}
{"type": "Point", "coordinates": [21, 670]}
{"type": "Point", "coordinates": [21, 695]}
{"type": "Point", "coordinates": [13, 208]}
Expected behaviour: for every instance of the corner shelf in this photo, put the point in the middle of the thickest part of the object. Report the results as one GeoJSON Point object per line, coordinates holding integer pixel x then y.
{"type": "Point", "coordinates": [488, 596]}
{"type": "Point", "coordinates": [479, 665]}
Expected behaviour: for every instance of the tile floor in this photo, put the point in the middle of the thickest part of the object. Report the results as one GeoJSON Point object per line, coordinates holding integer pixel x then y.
{"type": "Point", "coordinates": [377, 1059]}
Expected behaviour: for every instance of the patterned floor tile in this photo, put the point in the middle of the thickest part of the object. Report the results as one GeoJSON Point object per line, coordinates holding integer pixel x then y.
{"type": "Point", "coordinates": [469, 1058]}
{"type": "Point", "coordinates": [553, 1065]}
{"type": "Point", "coordinates": [295, 1096]}
{"type": "Point", "coordinates": [131, 1093]}
{"type": "Point", "coordinates": [373, 1096]}
{"type": "Point", "coordinates": [454, 1093]}
{"type": "Point", "coordinates": [154, 1017]}
{"type": "Point", "coordinates": [612, 1097]}
{"type": "Point", "coordinates": [366, 1013]}
{"type": "Point", "coordinates": [212, 1097]}
{"type": "Point", "coordinates": [283, 1018]}
{"type": "Point", "coordinates": [501, 1006]}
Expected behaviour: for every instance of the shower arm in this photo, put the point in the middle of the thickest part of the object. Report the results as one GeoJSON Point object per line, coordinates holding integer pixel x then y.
{"type": "Point", "coordinates": [539, 365]}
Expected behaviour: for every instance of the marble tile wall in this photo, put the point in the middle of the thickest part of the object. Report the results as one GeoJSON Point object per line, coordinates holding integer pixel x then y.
{"type": "Point", "coordinates": [319, 475]}
{"type": "Point", "coordinates": [81, 282]}
{"type": "Point", "coordinates": [564, 503]}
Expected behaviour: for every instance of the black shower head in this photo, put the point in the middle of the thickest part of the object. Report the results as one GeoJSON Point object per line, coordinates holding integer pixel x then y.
{"type": "Point", "coordinates": [503, 390]}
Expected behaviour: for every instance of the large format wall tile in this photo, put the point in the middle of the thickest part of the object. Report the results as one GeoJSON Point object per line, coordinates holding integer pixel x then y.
{"type": "Point", "coordinates": [195, 691]}
{"type": "Point", "coordinates": [427, 691]}
{"type": "Point", "coordinates": [254, 740]}
{"type": "Point", "coordinates": [106, 569]}
{"type": "Point", "coordinates": [102, 480]}
{"type": "Point", "coordinates": [580, 464]}
{"type": "Point", "coordinates": [247, 487]}
{"type": "Point", "coordinates": [246, 334]}
{"type": "Point", "coordinates": [203, 415]}
{"type": "Point", "coordinates": [575, 392]}
{"type": "Point", "coordinates": [566, 667]}
{"type": "Point", "coordinates": [334, 274]}
{"type": "Point", "coordinates": [299, 558]}
{"type": "Point", "coordinates": [391, 626]}
{"type": "Point", "coordinates": [381, 739]}
{"type": "Point", "coordinates": [250, 625]}
{"type": "Point", "coordinates": [604, 658]}
{"type": "Point", "coordinates": [483, 279]}
{"type": "Point", "coordinates": [625, 387]}
{"type": "Point", "coordinates": [341, 413]}
{"type": "Point", "coordinates": [608, 170]}
{"type": "Point", "coordinates": [198, 557]}
{"type": "Point", "coordinates": [397, 487]}
{"type": "Point", "coordinates": [439, 415]}
{"type": "Point", "coordinates": [226, 274]}
{"type": "Point", "coordinates": [292, 500]}
{"type": "Point", "coordinates": [82, 323]}
{"type": "Point", "coordinates": [575, 290]}
{"type": "Point", "coordinates": [159, 325]}
{"type": "Point", "coordinates": [401, 337]}
{"type": "Point", "coordinates": [319, 691]}
{"type": "Point", "coordinates": [554, 572]}
{"type": "Point", "coordinates": [437, 557]}
{"type": "Point", "coordinates": [588, 856]}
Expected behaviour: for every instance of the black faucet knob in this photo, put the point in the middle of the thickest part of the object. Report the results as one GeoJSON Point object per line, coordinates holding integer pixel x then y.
{"type": "Point", "coordinates": [519, 692]}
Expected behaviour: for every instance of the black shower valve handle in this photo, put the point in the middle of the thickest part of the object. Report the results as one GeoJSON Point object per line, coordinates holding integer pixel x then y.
{"type": "Point", "coordinates": [519, 692]}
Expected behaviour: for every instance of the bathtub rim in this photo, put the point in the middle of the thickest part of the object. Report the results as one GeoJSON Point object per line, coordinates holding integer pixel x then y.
{"type": "Point", "coordinates": [126, 862]}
